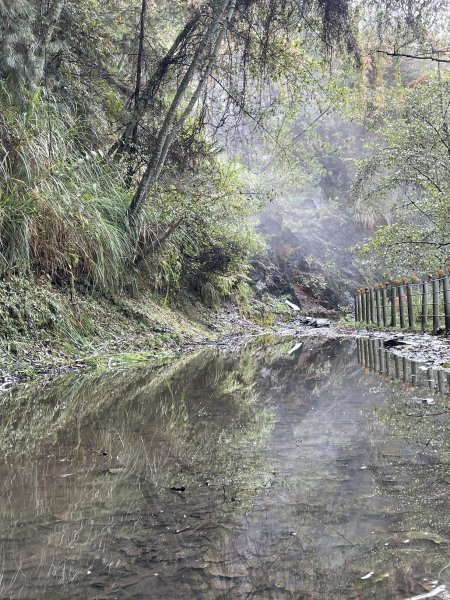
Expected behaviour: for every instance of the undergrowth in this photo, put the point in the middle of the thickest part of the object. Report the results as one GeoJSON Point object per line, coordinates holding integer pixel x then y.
{"type": "Point", "coordinates": [63, 215]}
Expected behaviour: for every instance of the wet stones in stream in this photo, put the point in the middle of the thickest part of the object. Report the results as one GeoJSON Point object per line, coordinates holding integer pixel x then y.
{"type": "Point", "coordinates": [314, 322]}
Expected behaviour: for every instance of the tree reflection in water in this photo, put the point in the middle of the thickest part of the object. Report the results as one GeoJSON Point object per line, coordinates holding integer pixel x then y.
{"type": "Point", "coordinates": [301, 473]}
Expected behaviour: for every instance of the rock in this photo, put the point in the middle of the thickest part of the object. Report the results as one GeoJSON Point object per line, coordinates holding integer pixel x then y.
{"type": "Point", "coordinates": [305, 320]}
{"type": "Point", "coordinates": [392, 343]}
{"type": "Point", "coordinates": [321, 323]}
{"type": "Point", "coordinates": [295, 347]}
{"type": "Point", "coordinates": [314, 322]}
{"type": "Point", "coordinates": [311, 321]}
{"type": "Point", "coordinates": [4, 387]}
{"type": "Point", "coordinates": [292, 305]}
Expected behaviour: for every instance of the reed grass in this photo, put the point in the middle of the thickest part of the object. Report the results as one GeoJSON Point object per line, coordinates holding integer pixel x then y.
{"type": "Point", "coordinates": [63, 214]}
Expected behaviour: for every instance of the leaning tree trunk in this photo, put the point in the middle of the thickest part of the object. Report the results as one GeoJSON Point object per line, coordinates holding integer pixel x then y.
{"type": "Point", "coordinates": [49, 22]}
{"type": "Point", "coordinates": [122, 146]}
{"type": "Point", "coordinates": [170, 128]}
{"type": "Point", "coordinates": [140, 55]}
{"type": "Point", "coordinates": [137, 88]}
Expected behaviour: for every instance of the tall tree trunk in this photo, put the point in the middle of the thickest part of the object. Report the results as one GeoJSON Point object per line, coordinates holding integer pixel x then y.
{"type": "Point", "coordinates": [49, 22]}
{"type": "Point", "coordinates": [52, 19]}
{"type": "Point", "coordinates": [123, 144]}
{"type": "Point", "coordinates": [170, 128]}
{"type": "Point", "coordinates": [137, 88]}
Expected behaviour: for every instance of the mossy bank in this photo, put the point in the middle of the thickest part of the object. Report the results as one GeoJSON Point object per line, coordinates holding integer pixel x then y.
{"type": "Point", "coordinates": [45, 329]}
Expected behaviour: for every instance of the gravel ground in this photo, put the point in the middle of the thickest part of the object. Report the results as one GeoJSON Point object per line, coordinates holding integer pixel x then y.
{"type": "Point", "coordinates": [432, 351]}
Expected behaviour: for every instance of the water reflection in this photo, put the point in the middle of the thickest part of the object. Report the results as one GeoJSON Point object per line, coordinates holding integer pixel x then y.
{"type": "Point", "coordinates": [245, 473]}
{"type": "Point", "coordinates": [375, 357]}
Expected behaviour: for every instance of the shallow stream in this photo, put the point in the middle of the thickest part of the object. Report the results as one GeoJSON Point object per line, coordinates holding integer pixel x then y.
{"type": "Point", "coordinates": [259, 471]}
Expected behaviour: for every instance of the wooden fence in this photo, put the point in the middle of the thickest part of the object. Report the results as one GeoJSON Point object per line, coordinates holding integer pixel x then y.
{"type": "Point", "coordinates": [374, 356]}
{"type": "Point", "coordinates": [407, 303]}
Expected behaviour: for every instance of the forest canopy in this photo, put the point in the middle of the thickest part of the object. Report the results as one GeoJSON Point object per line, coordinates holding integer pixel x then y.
{"type": "Point", "coordinates": [120, 121]}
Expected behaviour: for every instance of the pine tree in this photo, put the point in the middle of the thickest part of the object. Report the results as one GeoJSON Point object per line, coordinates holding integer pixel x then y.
{"type": "Point", "coordinates": [26, 31]}
{"type": "Point", "coordinates": [19, 62]}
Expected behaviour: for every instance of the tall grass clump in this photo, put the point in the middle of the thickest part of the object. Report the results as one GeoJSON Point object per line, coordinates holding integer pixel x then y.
{"type": "Point", "coordinates": [62, 209]}
{"type": "Point", "coordinates": [63, 214]}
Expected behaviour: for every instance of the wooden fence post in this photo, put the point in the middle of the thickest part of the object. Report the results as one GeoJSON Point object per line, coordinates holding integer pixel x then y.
{"type": "Point", "coordinates": [380, 358]}
{"type": "Point", "coordinates": [371, 356]}
{"type": "Point", "coordinates": [393, 307]}
{"type": "Point", "coordinates": [384, 305]}
{"type": "Point", "coordinates": [414, 373]}
{"type": "Point", "coordinates": [397, 366]}
{"type": "Point", "coordinates": [356, 307]}
{"type": "Point", "coordinates": [366, 352]}
{"type": "Point", "coordinates": [372, 304]}
{"type": "Point", "coordinates": [363, 306]}
{"type": "Point", "coordinates": [430, 379]}
{"type": "Point", "coordinates": [447, 303]}
{"type": "Point", "coordinates": [386, 358]}
{"type": "Point", "coordinates": [441, 382]}
{"type": "Point", "coordinates": [378, 305]}
{"type": "Point", "coordinates": [360, 306]}
{"type": "Point", "coordinates": [424, 305]}
{"type": "Point", "coordinates": [401, 305]}
{"type": "Point", "coordinates": [405, 369]}
{"type": "Point", "coordinates": [375, 356]}
{"type": "Point", "coordinates": [435, 304]}
{"type": "Point", "coordinates": [367, 305]}
{"type": "Point", "coordinates": [410, 305]}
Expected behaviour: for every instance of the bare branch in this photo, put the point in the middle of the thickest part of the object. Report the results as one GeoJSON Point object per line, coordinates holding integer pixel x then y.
{"type": "Point", "coordinates": [417, 56]}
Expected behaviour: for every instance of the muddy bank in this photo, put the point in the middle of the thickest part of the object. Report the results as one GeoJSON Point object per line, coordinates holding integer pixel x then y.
{"type": "Point", "coordinates": [45, 330]}
{"type": "Point", "coordinates": [154, 349]}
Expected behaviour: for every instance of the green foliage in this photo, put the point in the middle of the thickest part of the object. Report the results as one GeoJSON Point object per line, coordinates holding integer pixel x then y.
{"type": "Point", "coordinates": [18, 43]}
{"type": "Point", "coordinates": [61, 211]}
{"type": "Point", "coordinates": [208, 252]}
{"type": "Point", "coordinates": [410, 177]}
{"type": "Point", "coordinates": [63, 215]}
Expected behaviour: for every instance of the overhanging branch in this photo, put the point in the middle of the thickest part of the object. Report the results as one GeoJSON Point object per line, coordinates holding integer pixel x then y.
{"type": "Point", "coordinates": [430, 56]}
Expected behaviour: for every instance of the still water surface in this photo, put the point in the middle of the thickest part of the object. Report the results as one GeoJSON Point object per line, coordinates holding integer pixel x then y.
{"type": "Point", "coordinates": [236, 473]}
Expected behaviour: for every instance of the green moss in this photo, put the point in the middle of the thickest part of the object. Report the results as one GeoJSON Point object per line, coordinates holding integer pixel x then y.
{"type": "Point", "coordinates": [42, 325]}
{"type": "Point", "coordinates": [266, 319]}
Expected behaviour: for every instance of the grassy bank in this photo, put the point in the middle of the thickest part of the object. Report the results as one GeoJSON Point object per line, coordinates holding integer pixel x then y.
{"type": "Point", "coordinates": [44, 328]}
{"type": "Point", "coordinates": [78, 282]}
